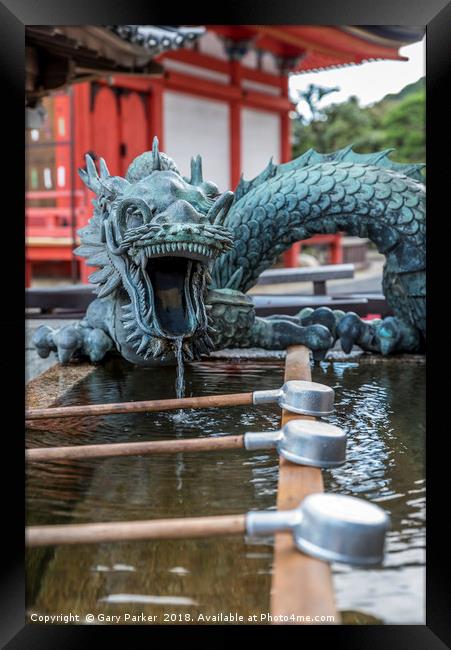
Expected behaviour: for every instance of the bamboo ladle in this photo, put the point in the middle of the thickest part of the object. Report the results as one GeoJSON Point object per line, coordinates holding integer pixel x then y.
{"type": "Point", "coordinates": [331, 527]}
{"type": "Point", "coordinates": [303, 397]}
{"type": "Point", "coordinates": [304, 442]}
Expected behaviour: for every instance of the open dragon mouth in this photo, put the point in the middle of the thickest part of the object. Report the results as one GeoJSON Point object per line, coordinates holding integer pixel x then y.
{"type": "Point", "coordinates": [166, 277]}
{"type": "Point", "coordinates": [174, 295]}
{"type": "Point", "coordinates": [167, 310]}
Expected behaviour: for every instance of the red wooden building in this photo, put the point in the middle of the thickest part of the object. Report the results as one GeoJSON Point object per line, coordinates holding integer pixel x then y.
{"type": "Point", "coordinates": [224, 96]}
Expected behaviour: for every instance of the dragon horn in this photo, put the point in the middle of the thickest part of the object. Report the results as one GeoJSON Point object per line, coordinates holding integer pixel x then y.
{"type": "Point", "coordinates": [104, 171]}
{"type": "Point", "coordinates": [220, 208]}
{"type": "Point", "coordinates": [156, 161]}
{"type": "Point", "coordinates": [196, 171]}
{"type": "Point", "coordinates": [91, 167]}
{"type": "Point", "coordinates": [90, 177]}
{"type": "Point", "coordinates": [92, 180]}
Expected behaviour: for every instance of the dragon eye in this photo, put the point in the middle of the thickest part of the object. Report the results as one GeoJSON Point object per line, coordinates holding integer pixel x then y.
{"type": "Point", "coordinates": [132, 213]}
{"type": "Point", "coordinates": [135, 218]}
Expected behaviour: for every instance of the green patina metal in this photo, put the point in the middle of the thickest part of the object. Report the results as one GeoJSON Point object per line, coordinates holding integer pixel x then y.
{"type": "Point", "coordinates": [175, 258]}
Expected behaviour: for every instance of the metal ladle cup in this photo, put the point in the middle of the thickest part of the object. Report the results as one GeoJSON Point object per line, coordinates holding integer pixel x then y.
{"type": "Point", "coordinates": [304, 442]}
{"type": "Point", "coordinates": [297, 396]}
{"type": "Point", "coordinates": [330, 527]}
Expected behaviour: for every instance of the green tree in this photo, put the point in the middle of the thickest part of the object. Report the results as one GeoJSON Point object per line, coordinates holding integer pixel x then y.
{"type": "Point", "coordinates": [404, 128]}
{"type": "Point", "coordinates": [396, 121]}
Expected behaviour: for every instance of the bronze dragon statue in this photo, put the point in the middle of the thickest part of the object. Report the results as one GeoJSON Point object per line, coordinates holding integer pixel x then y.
{"type": "Point", "coordinates": [175, 257]}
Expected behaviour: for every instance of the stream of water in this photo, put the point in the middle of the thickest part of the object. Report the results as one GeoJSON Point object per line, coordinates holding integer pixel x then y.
{"type": "Point", "coordinates": [180, 377]}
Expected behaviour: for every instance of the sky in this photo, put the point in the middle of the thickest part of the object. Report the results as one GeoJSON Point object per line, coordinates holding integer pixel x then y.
{"type": "Point", "coordinates": [368, 81]}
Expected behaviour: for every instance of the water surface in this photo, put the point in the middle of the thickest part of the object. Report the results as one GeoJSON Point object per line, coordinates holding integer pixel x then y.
{"type": "Point", "coordinates": [381, 405]}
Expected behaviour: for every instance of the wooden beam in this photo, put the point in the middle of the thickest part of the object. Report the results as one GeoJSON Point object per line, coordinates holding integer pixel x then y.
{"type": "Point", "coordinates": [260, 76]}
{"type": "Point", "coordinates": [140, 83]}
{"type": "Point", "coordinates": [291, 256]}
{"type": "Point", "coordinates": [222, 92]}
{"type": "Point", "coordinates": [267, 102]}
{"type": "Point", "coordinates": [195, 86]}
{"type": "Point", "coordinates": [225, 67]}
{"type": "Point", "coordinates": [197, 58]}
{"type": "Point", "coordinates": [235, 130]}
{"type": "Point", "coordinates": [285, 127]}
{"type": "Point", "coordinates": [326, 40]}
{"type": "Point", "coordinates": [307, 274]}
{"type": "Point", "coordinates": [301, 585]}
{"type": "Point", "coordinates": [322, 37]}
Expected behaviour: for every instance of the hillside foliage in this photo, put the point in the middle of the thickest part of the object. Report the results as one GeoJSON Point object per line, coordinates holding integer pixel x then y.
{"type": "Point", "coordinates": [397, 121]}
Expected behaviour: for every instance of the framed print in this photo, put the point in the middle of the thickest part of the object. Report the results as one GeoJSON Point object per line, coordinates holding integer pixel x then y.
{"type": "Point", "coordinates": [228, 279]}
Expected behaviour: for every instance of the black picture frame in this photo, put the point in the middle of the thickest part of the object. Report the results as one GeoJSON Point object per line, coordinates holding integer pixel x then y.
{"type": "Point", "coordinates": [14, 15]}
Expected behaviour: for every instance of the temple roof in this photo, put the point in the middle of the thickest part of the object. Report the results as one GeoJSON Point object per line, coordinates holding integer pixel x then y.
{"type": "Point", "coordinates": [61, 55]}
{"type": "Point", "coordinates": [58, 55]}
{"type": "Point", "coordinates": [157, 39]}
{"type": "Point", "coordinates": [313, 47]}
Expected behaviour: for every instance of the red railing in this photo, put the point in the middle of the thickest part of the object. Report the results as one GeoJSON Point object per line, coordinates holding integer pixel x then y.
{"type": "Point", "coordinates": [333, 242]}
{"type": "Point", "coordinates": [54, 221]}
{"type": "Point", "coordinates": [50, 230]}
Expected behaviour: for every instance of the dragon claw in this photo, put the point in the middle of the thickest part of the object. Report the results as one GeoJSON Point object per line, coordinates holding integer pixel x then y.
{"type": "Point", "coordinates": [97, 344]}
{"type": "Point", "coordinates": [318, 338]}
{"type": "Point", "coordinates": [320, 316]}
{"type": "Point", "coordinates": [349, 331]}
{"type": "Point", "coordinates": [67, 341]}
{"type": "Point", "coordinates": [43, 341]}
{"type": "Point", "coordinates": [388, 333]}
{"type": "Point", "coordinates": [384, 336]}
{"type": "Point", "coordinates": [72, 341]}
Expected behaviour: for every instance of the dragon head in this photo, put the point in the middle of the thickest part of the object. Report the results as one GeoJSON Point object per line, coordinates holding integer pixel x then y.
{"type": "Point", "coordinates": [154, 236]}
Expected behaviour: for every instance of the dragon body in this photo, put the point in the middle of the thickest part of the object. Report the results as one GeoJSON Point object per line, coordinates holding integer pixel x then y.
{"type": "Point", "coordinates": [175, 258]}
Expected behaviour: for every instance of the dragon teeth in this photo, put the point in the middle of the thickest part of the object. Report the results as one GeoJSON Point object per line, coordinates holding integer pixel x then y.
{"type": "Point", "coordinates": [158, 348]}
{"type": "Point", "coordinates": [143, 344]}
{"type": "Point", "coordinates": [188, 351]}
{"type": "Point", "coordinates": [173, 247]}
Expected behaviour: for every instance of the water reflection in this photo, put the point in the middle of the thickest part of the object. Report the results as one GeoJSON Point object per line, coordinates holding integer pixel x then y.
{"type": "Point", "coordinates": [380, 405]}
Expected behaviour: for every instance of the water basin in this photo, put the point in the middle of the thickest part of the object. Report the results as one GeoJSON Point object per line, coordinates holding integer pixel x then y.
{"type": "Point", "coordinates": [380, 404]}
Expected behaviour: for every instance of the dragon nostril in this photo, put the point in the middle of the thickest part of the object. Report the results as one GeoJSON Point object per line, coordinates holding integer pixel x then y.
{"type": "Point", "coordinates": [161, 220]}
